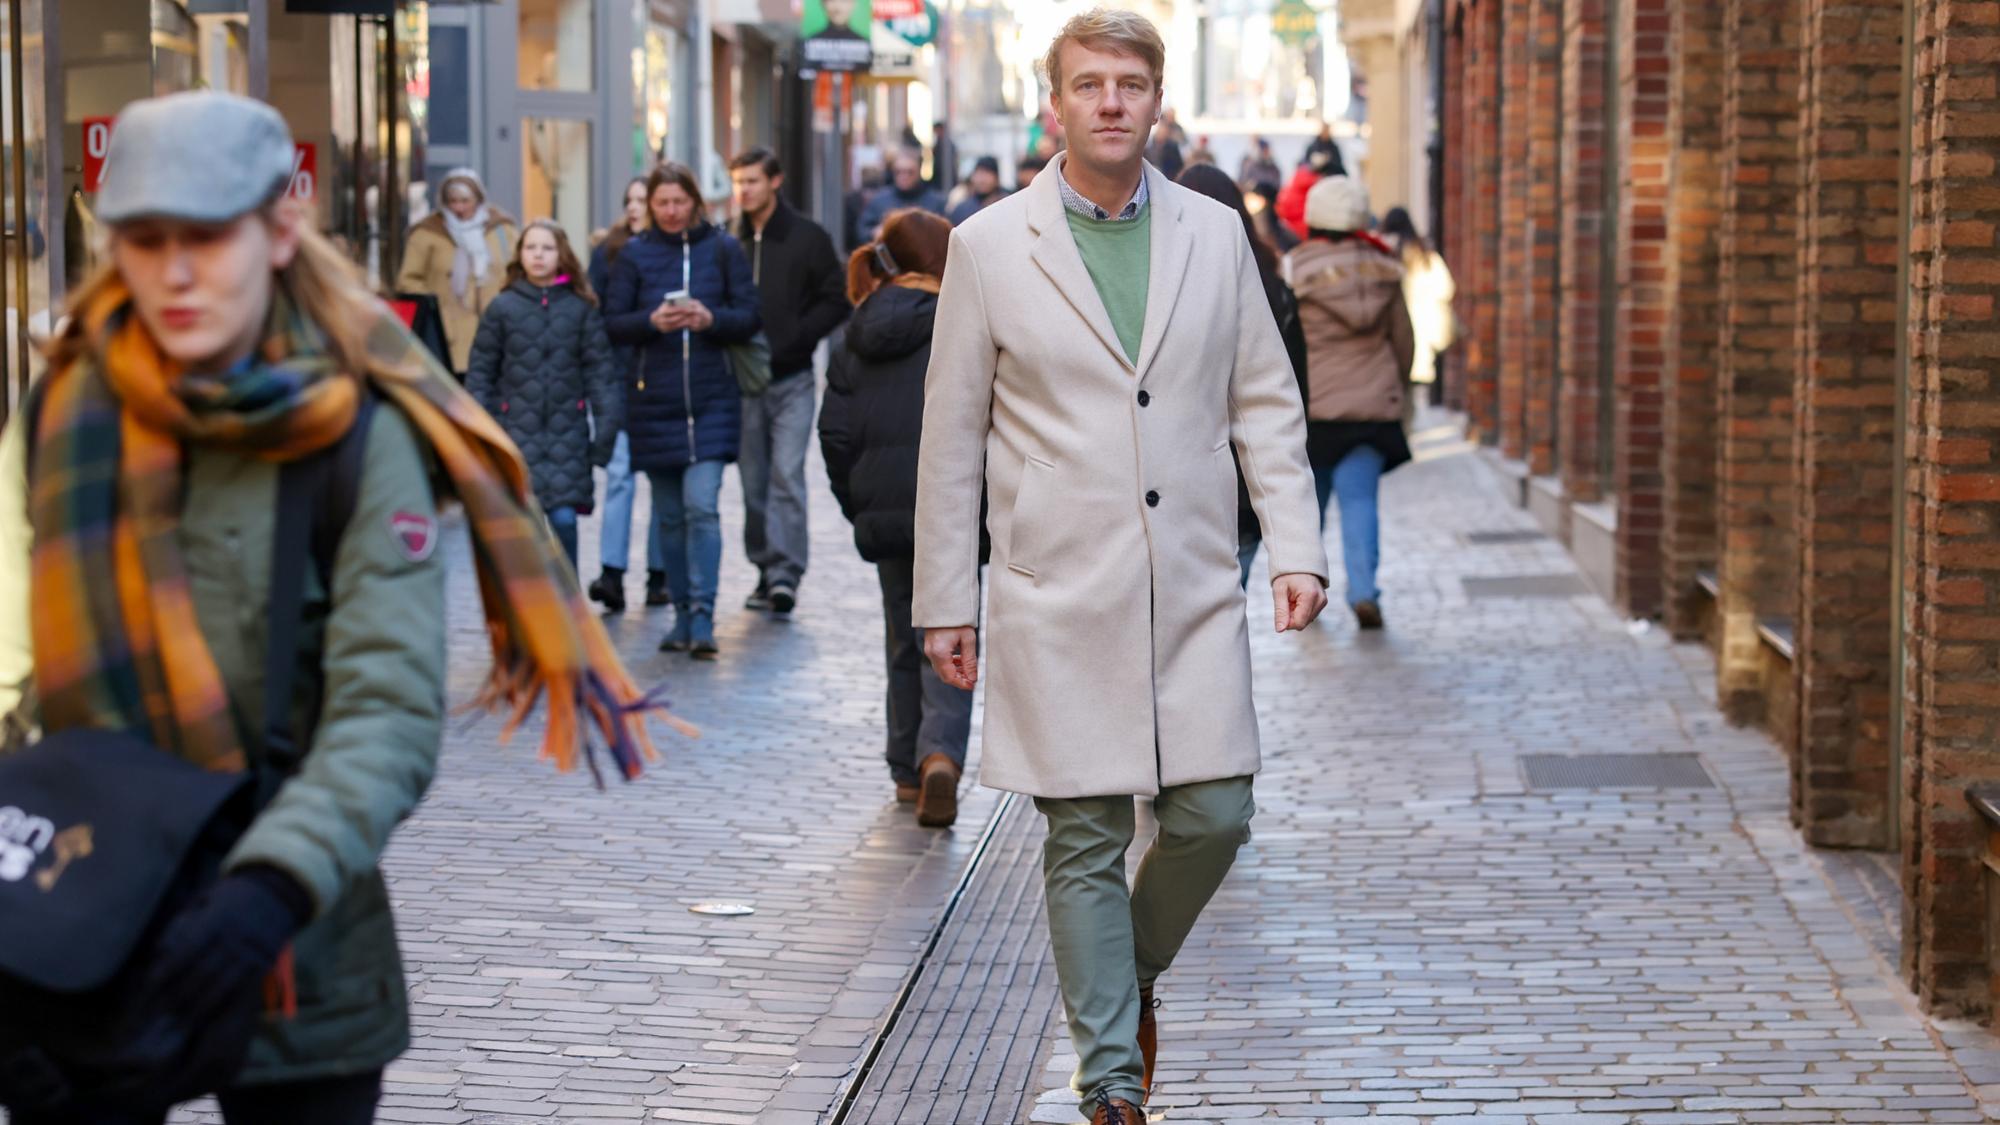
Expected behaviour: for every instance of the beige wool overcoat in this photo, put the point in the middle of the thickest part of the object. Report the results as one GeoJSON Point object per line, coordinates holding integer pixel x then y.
{"type": "Point", "coordinates": [1116, 647]}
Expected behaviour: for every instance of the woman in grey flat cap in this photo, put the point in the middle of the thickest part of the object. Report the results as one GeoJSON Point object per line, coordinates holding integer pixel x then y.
{"type": "Point", "coordinates": [228, 565]}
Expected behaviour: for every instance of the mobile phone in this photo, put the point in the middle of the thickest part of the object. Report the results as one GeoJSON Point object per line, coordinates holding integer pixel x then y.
{"type": "Point", "coordinates": [677, 297]}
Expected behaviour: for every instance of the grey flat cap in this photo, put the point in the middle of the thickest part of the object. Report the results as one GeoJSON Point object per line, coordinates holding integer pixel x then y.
{"type": "Point", "coordinates": [200, 157]}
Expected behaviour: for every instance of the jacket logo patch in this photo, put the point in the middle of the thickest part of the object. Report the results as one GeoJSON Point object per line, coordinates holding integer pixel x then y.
{"type": "Point", "coordinates": [416, 534]}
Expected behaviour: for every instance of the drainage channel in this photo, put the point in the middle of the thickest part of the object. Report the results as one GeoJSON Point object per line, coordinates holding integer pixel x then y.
{"type": "Point", "coordinates": [961, 1041]}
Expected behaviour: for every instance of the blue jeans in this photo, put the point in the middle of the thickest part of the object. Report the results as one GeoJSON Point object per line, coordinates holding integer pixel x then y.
{"type": "Point", "coordinates": [687, 502]}
{"type": "Point", "coordinates": [1354, 482]}
{"type": "Point", "coordinates": [615, 542]}
{"type": "Point", "coordinates": [563, 522]}
{"type": "Point", "coordinates": [777, 428]}
{"type": "Point", "coordinates": [1246, 553]}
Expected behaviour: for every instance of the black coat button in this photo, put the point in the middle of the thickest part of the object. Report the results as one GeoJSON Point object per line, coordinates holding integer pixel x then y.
{"type": "Point", "coordinates": [1152, 499]}
{"type": "Point", "coordinates": [1145, 399]}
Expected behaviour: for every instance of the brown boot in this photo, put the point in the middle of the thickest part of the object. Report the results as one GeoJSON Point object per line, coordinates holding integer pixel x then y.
{"type": "Point", "coordinates": [906, 794]}
{"type": "Point", "coordinates": [1117, 1111]}
{"type": "Point", "coordinates": [1149, 1035]}
{"type": "Point", "coordinates": [937, 803]}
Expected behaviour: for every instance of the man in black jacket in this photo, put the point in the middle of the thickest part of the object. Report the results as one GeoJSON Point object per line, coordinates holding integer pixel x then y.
{"type": "Point", "coordinates": [804, 297]}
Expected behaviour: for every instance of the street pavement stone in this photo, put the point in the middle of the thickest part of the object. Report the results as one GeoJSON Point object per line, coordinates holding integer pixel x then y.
{"type": "Point", "coordinates": [1413, 935]}
{"type": "Point", "coordinates": [555, 971]}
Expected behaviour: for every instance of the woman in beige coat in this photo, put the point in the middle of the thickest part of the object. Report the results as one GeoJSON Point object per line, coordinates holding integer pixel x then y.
{"type": "Point", "coordinates": [1359, 344]}
{"type": "Point", "coordinates": [459, 255]}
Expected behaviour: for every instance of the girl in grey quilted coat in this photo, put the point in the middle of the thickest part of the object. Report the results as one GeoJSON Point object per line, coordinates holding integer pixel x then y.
{"type": "Point", "coordinates": [543, 367]}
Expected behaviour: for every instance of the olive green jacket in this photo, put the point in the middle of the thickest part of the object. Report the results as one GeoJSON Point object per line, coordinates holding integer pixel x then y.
{"type": "Point", "coordinates": [379, 641]}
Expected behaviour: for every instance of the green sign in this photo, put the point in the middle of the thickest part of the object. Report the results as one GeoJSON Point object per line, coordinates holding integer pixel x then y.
{"type": "Point", "coordinates": [917, 30]}
{"type": "Point", "coordinates": [1294, 22]}
{"type": "Point", "coordinates": [834, 34]}
{"type": "Point", "coordinates": [816, 17]}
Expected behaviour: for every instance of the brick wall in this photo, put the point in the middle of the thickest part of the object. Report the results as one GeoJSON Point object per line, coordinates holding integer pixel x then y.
{"type": "Point", "coordinates": [1451, 240]}
{"type": "Point", "coordinates": [1480, 287]}
{"type": "Point", "coordinates": [1543, 236]}
{"type": "Point", "coordinates": [1687, 540]}
{"type": "Point", "coordinates": [1581, 261]}
{"type": "Point", "coordinates": [1517, 320]}
{"type": "Point", "coordinates": [1951, 496]}
{"type": "Point", "coordinates": [1645, 297]}
{"type": "Point", "coordinates": [1759, 274]}
{"type": "Point", "coordinates": [1845, 379]}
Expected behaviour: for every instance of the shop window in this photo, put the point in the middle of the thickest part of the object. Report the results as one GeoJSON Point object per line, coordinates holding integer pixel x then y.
{"type": "Point", "coordinates": [556, 38]}
{"type": "Point", "coordinates": [210, 51]}
{"type": "Point", "coordinates": [654, 104]}
{"type": "Point", "coordinates": [555, 175]}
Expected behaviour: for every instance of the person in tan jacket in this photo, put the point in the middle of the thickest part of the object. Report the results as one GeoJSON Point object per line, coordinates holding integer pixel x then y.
{"type": "Point", "coordinates": [459, 255]}
{"type": "Point", "coordinates": [1359, 345]}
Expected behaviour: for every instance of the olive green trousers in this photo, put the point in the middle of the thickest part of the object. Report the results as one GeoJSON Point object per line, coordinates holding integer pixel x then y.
{"type": "Point", "coordinates": [1111, 940]}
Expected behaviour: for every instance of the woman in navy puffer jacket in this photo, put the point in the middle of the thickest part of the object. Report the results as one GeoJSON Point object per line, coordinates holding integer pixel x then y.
{"type": "Point", "coordinates": [683, 409]}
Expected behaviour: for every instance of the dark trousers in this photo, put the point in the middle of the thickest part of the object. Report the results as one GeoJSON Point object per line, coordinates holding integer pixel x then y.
{"type": "Point", "coordinates": [349, 1100]}
{"type": "Point", "coordinates": [926, 715]}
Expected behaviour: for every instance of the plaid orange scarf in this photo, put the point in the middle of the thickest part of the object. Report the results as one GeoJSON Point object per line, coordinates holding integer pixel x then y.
{"type": "Point", "coordinates": [116, 640]}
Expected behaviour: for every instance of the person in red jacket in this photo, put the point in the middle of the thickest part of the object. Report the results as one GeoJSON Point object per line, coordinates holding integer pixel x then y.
{"type": "Point", "coordinates": [1321, 161]}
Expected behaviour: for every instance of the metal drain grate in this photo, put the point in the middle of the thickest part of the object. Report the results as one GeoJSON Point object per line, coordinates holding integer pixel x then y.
{"type": "Point", "coordinates": [1616, 771]}
{"type": "Point", "coordinates": [1526, 586]}
{"type": "Point", "coordinates": [1495, 538]}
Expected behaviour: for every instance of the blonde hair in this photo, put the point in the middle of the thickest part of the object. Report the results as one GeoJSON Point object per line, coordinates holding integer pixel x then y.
{"type": "Point", "coordinates": [1108, 29]}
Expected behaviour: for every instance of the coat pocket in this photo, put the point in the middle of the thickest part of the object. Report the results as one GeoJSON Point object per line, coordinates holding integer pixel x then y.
{"type": "Point", "coordinates": [1025, 530]}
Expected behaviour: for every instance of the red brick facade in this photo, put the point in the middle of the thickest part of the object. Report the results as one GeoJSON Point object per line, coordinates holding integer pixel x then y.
{"type": "Point", "coordinates": [1579, 358]}
{"type": "Point", "coordinates": [1759, 293]}
{"type": "Point", "coordinates": [1951, 499]}
{"type": "Point", "coordinates": [1738, 188]}
{"type": "Point", "coordinates": [1687, 540]}
{"type": "Point", "coordinates": [1517, 310]}
{"type": "Point", "coordinates": [1543, 236]}
{"type": "Point", "coordinates": [1845, 382]}
{"type": "Point", "coordinates": [1479, 280]}
{"type": "Point", "coordinates": [1645, 296]}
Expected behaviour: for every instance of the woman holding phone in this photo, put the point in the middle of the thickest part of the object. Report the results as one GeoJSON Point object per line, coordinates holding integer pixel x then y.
{"type": "Point", "coordinates": [681, 293]}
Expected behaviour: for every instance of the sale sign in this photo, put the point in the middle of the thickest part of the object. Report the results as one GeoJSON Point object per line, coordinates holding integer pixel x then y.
{"type": "Point", "coordinates": [305, 173]}
{"type": "Point", "coordinates": [96, 146]}
{"type": "Point", "coordinates": [303, 186]}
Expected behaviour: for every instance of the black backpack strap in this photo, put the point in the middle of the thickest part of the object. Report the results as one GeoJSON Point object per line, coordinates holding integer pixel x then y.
{"type": "Point", "coordinates": [316, 499]}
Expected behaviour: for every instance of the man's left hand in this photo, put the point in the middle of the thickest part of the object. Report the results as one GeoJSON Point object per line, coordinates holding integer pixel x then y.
{"type": "Point", "coordinates": [1298, 599]}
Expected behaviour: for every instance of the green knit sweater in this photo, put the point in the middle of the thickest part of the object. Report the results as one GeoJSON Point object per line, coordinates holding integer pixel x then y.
{"type": "Point", "coordinates": [1119, 256]}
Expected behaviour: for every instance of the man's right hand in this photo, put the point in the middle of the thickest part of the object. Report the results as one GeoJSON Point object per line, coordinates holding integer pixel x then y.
{"type": "Point", "coordinates": [954, 655]}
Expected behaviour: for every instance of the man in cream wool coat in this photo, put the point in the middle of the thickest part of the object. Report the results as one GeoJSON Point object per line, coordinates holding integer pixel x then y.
{"type": "Point", "coordinates": [1102, 341]}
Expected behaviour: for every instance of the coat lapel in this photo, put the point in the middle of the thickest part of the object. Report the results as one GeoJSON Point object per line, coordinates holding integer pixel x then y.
{"type": "Point", "coordinates": [1056, 253]}
{"type": "Point", "coordinates": [1172, 247]}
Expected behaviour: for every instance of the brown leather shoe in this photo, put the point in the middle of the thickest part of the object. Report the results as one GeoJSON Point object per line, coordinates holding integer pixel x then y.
{"type": "Point", "coordinates": [1149, 1035]}
{"type": "Point", "coordinates": [1117, 1111]}
{"type": "Point", "coordinates": [906, 794]}
{"type": "Point", "coordinates": [937, 804]}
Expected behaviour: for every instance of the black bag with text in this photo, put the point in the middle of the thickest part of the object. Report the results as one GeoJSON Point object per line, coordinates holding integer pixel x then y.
{"type": "Point", "coordinates": [104, 839]}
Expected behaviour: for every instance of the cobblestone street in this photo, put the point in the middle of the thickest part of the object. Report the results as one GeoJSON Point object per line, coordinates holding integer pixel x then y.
{"type": "Point", "coordinates": [1415, 934]}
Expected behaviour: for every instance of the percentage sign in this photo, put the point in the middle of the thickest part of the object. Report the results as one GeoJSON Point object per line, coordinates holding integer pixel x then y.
{"type": "Point", "coordinates": [301, 186]}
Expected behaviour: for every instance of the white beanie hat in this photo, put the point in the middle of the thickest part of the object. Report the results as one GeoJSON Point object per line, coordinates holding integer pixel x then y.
{"type": "Point", "coordinates": [1337, 203]}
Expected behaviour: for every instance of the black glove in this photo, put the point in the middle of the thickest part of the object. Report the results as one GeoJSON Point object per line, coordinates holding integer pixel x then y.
{"type": "Point", "coordinates": [226, 941]}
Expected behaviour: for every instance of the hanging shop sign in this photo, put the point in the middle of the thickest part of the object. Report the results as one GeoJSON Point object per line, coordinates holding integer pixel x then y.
{"type": "Point", "coordinates": [834, 34]}
{"type": "Point", "coordinates": [1294, 22]}
{"type": "Point", "coordinates": [918, 28]}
